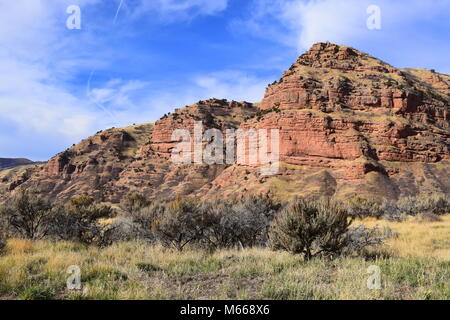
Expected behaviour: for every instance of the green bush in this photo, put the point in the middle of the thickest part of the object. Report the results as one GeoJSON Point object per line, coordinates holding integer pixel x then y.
{"type": "Point", "coordinates": [311, 228]}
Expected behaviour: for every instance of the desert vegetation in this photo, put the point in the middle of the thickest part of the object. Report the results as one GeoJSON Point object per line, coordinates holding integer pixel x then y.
{"type": "Point", "coordinates": [251, 248]}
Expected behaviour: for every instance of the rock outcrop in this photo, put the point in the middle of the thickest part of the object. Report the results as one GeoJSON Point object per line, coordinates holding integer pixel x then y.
{"type": "Point", "coordinates": [348, 122]}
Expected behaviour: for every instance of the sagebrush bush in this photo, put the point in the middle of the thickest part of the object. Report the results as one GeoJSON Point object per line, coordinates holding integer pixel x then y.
{"type": "Point", "coordinates": [179, 224]}
{"type": "Point", "coordinates": [143, 218]}
{"type": "Point", "coordinates": [360, 207]}
{"type": "Point", "coordinates": [2, 242]}
{"type": "Point", "coordinates": [437, 203]}
{"type": "Point", "coordinates": [359, 238]}
{"type": "Point", "coordinates": [216, 224]}
{"type": "Point", "coordinates": [391, 211]}
{"type": "Point", "coordinates": [311, 228]}
{"type": "Point", "coordinates": [412, 206]}
{"type": "Point", "coordinates": [222, 227]}
{"type": "Point", "coordinates": [133, 203]}
{"type": "Point", "coordinates": [27, 215]}
{"type": "Point", "coordinates": [78, 220]}
{"type": "Point", "coordinates": [254, 215]}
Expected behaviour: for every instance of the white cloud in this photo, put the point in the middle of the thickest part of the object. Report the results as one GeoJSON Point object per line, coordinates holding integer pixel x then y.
{"type": "Point", "coordinates": [170, 10]}
{"type": "Point", "coordinates": [35, 100]}
{"type": "Point", "coordinates": [304, 22]}
{"type": "Point", "coordinates": [234, 85]}
{"type": "Point", "coordinates": [136, 102]}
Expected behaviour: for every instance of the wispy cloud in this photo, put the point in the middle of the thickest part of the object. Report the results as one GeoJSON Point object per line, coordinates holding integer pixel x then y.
{"type": "Point", "coordinates": [300, 23]}
{"type": "Point", "coordinates": [171, 10]}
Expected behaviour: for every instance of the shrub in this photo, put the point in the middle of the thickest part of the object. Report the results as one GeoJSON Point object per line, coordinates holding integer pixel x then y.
{"type": "Point", "coordinates": [2, 243]}
{"type": "Point", "coordinates": [132, 203]}
{"type": "Point", "coordinates": [143, 219]}
{"type": "Point", "coordinates": [27, 215]}
{"type": "Point", "coordinates": [428, 217]}
{"type": "Point", "coordinates": [361, 237]}
{"type": "Point", "coordinates": [253, 216]}
{"type": "Point", "coordinates": [179, 224]}
{"type": "Point", "coordinates": [243, 223]}
{"type": "Point", "coordinates": [412, 206]}
{"type": "Point", "coordinates": [391, 211]}
{"type": "Point", "coordinates": [222, 227]}
{"type": "Point", "coordinates": [437, 203]}
{"type": "Point", "coordinates": [311, 228]}
{"type": "Point", "coordinates": [359, 207]}
{"type": "Point", "coordinates": [79, 220]}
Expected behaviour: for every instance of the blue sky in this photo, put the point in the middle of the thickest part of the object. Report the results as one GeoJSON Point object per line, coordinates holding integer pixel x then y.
{"type": "Point", "coordinates": [58, 86]}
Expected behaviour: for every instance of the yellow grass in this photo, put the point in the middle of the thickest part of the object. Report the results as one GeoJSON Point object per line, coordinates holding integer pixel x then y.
{"type": "Point", "coordinates": [418, 268]}
{"type": "Point", "coordinates": [418, 239]}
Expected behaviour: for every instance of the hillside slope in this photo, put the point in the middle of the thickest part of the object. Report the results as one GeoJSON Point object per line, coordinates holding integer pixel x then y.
{"type": "Point", "coordinates": [7, 163]}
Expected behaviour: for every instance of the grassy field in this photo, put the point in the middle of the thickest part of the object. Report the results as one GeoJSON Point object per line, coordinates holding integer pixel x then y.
{"type": "Point", "coordinates": [414, 265]}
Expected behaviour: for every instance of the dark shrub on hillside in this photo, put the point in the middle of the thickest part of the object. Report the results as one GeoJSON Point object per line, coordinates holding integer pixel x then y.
{"type": "Point", "coordinates": [179, 224]}
{"type": "Point", "coordinates": [311, 228]}
{"type": "Point", "coordinates": [79, 220]}
{"type": "Point", "coordinates": [27, 215]}
{"type": "Point", "coordinates": [132, 203]}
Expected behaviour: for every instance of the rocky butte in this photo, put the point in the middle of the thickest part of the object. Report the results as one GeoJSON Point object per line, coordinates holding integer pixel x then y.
{"type": "Point", "coordinates": [349, 124]}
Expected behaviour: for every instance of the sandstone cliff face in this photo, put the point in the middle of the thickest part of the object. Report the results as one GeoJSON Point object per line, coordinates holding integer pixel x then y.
{"type": "Point", "coordinates": [349, 124]}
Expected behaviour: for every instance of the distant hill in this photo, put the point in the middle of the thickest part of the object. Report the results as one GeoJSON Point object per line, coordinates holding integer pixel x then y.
{"type": "Point", "coordinates": [6, 163]}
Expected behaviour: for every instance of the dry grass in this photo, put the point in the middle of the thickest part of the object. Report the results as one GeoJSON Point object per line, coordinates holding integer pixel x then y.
{"type": "Point", "coordinates": [418, 239]}
{"type": "Point", "coordinates": [418, 269]}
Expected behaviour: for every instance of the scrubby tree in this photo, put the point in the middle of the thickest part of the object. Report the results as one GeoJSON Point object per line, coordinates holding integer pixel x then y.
{"type": "Point", "coordinates": [143, 219]}
{"type": "Point", "coordinates": [179, 224]}
{"type": "Point", "coordinates": [132, 203]}
{"type": "Point", "coordinates": [221, 224]}
{"type": "Point", "coordinates": [79, 220]}
{"type": "Point", "coordinates": [27, 215]}
{"type": "Point", "coordinates": [311, 228]}
{"type": "Point", "coordinates": [253, 216]}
